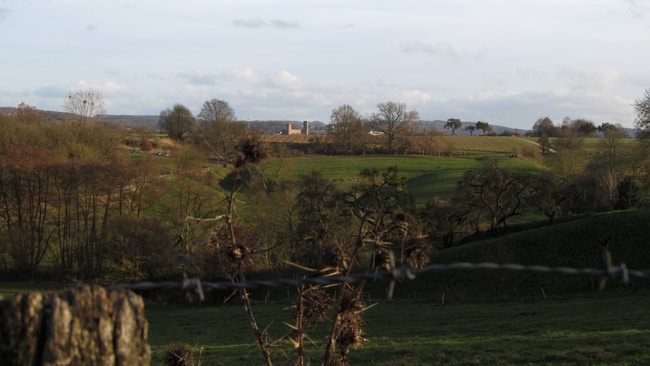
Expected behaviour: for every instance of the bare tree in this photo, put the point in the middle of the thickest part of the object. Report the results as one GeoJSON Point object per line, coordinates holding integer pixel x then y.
{"type": "Point", "coordinates": [393, 120]}
{"type": "Point", "coordinates": [214, 113]}
{"type": "Point", "coordinates": [642, 107]}
{"type": "Point", "coordinates": [613, 135]}
{"type": "Point", "coordinates": [177, 122]}
{"type": "Point", "coordinates": [220, 131]}
{"type": "Point", "coordinates": [346, 127]}
{"type": "Point", "coordinates": [84, 105]}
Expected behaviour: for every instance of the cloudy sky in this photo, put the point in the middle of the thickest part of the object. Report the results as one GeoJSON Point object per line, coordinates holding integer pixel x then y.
{"type": "Point", "coordinates": [505, 62]}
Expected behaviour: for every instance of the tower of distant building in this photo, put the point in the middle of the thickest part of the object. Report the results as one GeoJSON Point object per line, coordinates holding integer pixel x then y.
{"type": "Point", "coordinates": [295, 131]}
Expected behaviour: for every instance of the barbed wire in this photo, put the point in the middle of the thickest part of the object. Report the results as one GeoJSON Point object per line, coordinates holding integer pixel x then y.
{"type": "Point", "coordinates": [612, 272]}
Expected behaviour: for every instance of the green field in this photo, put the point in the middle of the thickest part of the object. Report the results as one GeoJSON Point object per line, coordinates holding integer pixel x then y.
{"type": "Point", "coordinates": [600, 329]}
{"type": "Point", "coordinates": [597, 144]}
{"type": "Point", "coordinates": [427, 176]}
{"type": "Point", "coordinates": [486, 144]}
{"type": "Point", "coordinates": [10, 288]}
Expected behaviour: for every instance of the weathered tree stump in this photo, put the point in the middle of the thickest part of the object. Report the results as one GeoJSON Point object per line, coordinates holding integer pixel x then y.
{"type": "Point", "coordinates": [87, 325]}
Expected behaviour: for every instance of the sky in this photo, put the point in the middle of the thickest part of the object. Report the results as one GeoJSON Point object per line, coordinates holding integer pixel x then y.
{"type": "Point", "coordinates": [507, 62]}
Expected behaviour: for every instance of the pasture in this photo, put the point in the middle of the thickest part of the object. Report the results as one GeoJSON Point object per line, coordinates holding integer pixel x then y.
{"type": "Point", "coordinates": [596, 329]}
{"type": "Point", "coordinates": [597, 144]}
{"type": "Point", "coordinates": [426, 177]}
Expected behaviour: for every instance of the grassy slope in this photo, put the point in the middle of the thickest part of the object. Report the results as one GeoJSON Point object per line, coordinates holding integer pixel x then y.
{"type": "Point", "coordinates": [597, 144]}
{"type": "Point", "coordinates": [571, 244]}
{"type": "Point", "coordinates": [602, 329]}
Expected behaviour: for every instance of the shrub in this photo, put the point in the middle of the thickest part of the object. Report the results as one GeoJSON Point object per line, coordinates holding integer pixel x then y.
{"type": "Point", "coordinates": [137, 249]}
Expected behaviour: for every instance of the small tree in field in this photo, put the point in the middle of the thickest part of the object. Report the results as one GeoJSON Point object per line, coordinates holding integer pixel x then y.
{"type": "Point", "coordinates": [393, 120]}
{"type": "Point", "coordinates": [177, 122]}
{"type": "Point", "coordinates": [84, 106]}
{"type": "Point", "coordinates": [484, 127]}
{"type": "Point", "coordinates": [453, 124]}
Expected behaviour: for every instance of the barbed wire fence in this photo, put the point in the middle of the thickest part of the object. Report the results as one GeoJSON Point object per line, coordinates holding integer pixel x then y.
{"type": "Point", "coordinates": [195, 285]}
{"type": "Point", "coordinates": [124, 311]}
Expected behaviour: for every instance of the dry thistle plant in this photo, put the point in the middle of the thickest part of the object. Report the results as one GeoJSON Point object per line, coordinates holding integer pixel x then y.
{"type": "Point", "coordinates": [416, 249]}
{"type": "Point", "coordinates": [316, 302]}
{"type": "Point", "coordinates": [335, 257]}
{"type": "Point", "coordinates": [350, 331]}
{"type": "Point", "coordinates": [179, 354]}
{"type": "Point", "coordinates": [380, 258]}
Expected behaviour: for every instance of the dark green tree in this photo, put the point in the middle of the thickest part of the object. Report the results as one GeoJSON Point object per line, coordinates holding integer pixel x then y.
{"type": "Point", "coordinates": [544, 143]}
{"type": "Point", "coordinates": [453, 124]}
{"type": "Point", "coordinates": [544, 126]}
{"type": "Point", "coordinates": [484, 127]}
{"type": "Point", "coordinates": [630, 193]}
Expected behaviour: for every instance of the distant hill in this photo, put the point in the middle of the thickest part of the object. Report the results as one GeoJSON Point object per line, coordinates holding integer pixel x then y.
{"type": "Point", "coordinates": [132, 120]}
{"type": "Point", "coordinates": [264, 126]}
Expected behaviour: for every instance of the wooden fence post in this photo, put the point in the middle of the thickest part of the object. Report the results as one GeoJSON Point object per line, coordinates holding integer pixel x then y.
{"type": "Point", "coordinates": [86, 325]}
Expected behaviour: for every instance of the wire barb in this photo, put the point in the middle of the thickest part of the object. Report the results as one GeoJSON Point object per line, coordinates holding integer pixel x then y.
{"type": "Point", "coordinates": [620, 272]}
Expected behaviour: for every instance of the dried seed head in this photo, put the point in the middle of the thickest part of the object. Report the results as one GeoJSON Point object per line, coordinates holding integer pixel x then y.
{"type": "Point", "coordinates": [351, 333]}
{"type": "Point", "coordinates": [416, 249]}
{"type": "Point", "coordinates": [381, 259]}
{"type": "Point", "coordinates": [237, 253]}
{"type": "Point", "coordinates": [252, 150]}
{"type": "Point", "coordinates": [179, 354]}
{"type": "Point", "coordinates": [334, 255]}
{"type": "Point", "coordinates": [316, 302]}
{"type": "Point", "coordinates": [399, 217]}
{"type": "Point", "coordinates": [351, 301]}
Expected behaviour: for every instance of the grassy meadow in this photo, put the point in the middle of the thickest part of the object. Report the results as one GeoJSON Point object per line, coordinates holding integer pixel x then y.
{"type": "Point", "coordinates": [426, 176]}
{"type": "Point", "coordinates": [597, 144]}
{"type": "Point", "coordinates": [598, 329]}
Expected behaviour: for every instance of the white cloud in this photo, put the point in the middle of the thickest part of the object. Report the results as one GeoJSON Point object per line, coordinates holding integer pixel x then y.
{"type": "Point", "coordinates": [442, 49]}
{"type": "Point", "coordinates": [243, 75]}
{"type": "Point", "coordinates": [529, 73]}
{"type": "Point", "coordinates": [287, 80]}
{"type": "Point", "coordinates": [270, 23]}
{"type": "Point", "coordinates": [198, 78]}
{"type": "Point", "coordinates": [415, 96]}
{"type": "Point", "coordinates": [601, 80]}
